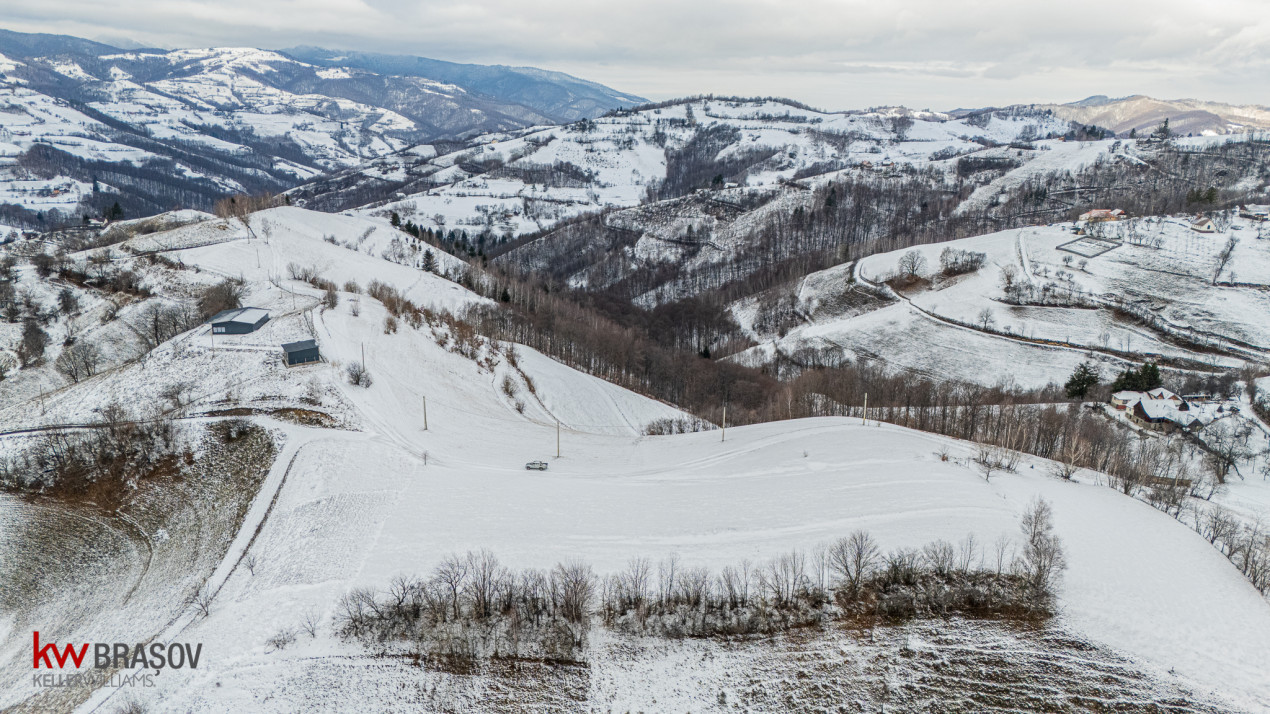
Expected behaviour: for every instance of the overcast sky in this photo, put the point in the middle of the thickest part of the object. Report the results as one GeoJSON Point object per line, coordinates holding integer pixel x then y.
{"type": "Point", "coordinates": [836, 54]}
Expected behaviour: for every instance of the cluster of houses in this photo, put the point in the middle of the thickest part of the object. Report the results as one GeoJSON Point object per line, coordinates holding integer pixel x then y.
{"type": "Point", "coordinates": [1200, 224]}
{"type": "Point", "coordinates": [245, 320]}
{"type": "Point", "coordinates": [1100, 215]}
{"type": "Point", "coordinates": [1204, 224]}
{"type": "Point", "coordinates": [1161, 410]}
{"type": "Point", "coordinates": [1260, 214]}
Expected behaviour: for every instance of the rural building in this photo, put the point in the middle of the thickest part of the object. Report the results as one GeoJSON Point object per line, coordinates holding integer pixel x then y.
{"type": "Point", "coordinates": [1099, 215]}
{"type": "Point", "coordinates": [1166, 395]}
{"type": "Point", "coordinates": [239, 321]}
{"type": "Point", "coordinates": [1159, 409]}
{"type": "Point", "coordinates": [1254, 213]}
{"type": "Point", "coordinates": [301, 352]}
{"type": "Point", "coordinates": [1203, 225]}
{"type": "Point", "coordinates": [1124, 400]}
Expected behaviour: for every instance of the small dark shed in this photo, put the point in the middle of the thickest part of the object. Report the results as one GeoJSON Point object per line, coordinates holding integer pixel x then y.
{"type": "Point", "coordinates": [301, 352]}
{"type": "Point", "coordinates": [239, 321]}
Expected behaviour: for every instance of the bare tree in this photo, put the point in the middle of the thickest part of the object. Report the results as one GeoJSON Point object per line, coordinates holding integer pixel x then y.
{"type": "Point", "coordinates": [667, 572]}
{"type": "Point", "coordinates": [358, 375]}
{"type": "Point", "coordinates": [78, 361]}
{"type": "Point", "coordinates": [967, 553]}
{"type": "Point", "coordinates": [852, 558]}
{"type": "Point", "coordinates": [912, 264]}
{"type": "Point", "coordinates": [225, 295]}
{"type": "Point", "coordinates": [1223, 257]}
{"type": "Point", "coordinates": [201, 601]}
{"type": "Point", "coordinates": [486, 577]}
{"type": "Point", "coordinates": [1042, 558]}
{"type": "Point", "coordinates": [34, 341]}
{"type": "Point", "coordinates": [1073, 452]}
{"type": "Point", "coordinates": [330, 299]}
{"type": "Point", "coordinates": [1225, 445]}
{"type": "Point", "coordinates": [940, 557]}
{"type": "Point", "coordinates": [451, 575]}
{"type": "Point", "coordinates": [1003, 552]}
{"type": "Point", "coordinates": [988, 460]}
{"type": "Point", "coordinates": [985, 318]}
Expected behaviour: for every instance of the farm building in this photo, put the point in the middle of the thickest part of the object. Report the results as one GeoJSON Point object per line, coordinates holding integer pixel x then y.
{"type": "Point", "coordinates": [301, 352]}
{"type": "Point", "coordinates": [1163, 411]}
{"type": "Point", "coordinates": [1203, 225]}
{"type": "Point", "coordinates": [239, 321]}
{"type": "Point", "coordinates": [1124, 400]}
{"type": "Point", "coordinates": [1098, 215]}
{"type": "Point", "coordinates": [1160, 409]}
{"type": "Point", "coordinates": [1255, 213]}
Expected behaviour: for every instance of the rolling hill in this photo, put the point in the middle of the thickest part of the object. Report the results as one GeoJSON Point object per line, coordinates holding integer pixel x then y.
{"type": "Point", "coordinates": [384, 494]}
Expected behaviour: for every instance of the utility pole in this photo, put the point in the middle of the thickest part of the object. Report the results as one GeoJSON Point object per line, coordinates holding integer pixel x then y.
{"type": "Point", "coordinates": [425, 414]}
{"type": "Point", "coordinates": [865, 419]}
{"type": "Point", "coordinates": [212, 334]}
{"type": "Point", "coordinates": [557, 437]}
{"type": "Point", "coordinates": [724, 436]}
{"type": "Point", "coordinates": [363, 355]}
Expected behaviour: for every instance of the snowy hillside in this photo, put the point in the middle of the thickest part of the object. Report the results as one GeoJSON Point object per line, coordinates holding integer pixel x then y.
{"type": "Point", "coordinates": [1145, 289]}
{"type": "Point", "coordinates": [526, 181]}
{"type": "Point", "coordinates": [1143, 115]}
{"type": "Point", "coordinates": [384, 491]}
{"type": "Point", "coordinates": [225, 119]}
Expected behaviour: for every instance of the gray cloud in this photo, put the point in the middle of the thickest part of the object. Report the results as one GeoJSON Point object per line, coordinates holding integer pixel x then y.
{"type": "Point", "coordinates": [832, 53]}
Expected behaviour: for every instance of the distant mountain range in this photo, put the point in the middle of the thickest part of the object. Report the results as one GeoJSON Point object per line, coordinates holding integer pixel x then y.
{"type": "Point", "coordinates": [155, 128]}
{"type": "Point", "coordinates": [1140, 113]}
{"type": "Point", "coordinates": [560, 96]}
{"type": "Point", "coordinates": [84, 125]}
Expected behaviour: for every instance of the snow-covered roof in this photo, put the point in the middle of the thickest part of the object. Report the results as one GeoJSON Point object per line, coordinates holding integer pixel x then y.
{"type": "Point", "coordinates": [300, 345]}
{"type": "Point", "coordinates": [248, 315]}
{"type": "Point", "coordinates": [1166, 409]}
{"type": "Point", "coordinates": [1126, 395]}
{"type": "Point", "coordinates": [1158, 409]}
{"type": "Point", "coordinates": [1101, 214]}
{"type": "Point", "coordinates": [1161, 393]}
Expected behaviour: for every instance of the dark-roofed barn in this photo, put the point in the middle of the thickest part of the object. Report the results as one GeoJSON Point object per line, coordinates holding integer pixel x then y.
{"type": "Point", "coordinates": [239, 321]}
{"type": "Point", "coordinates": [301, 352]}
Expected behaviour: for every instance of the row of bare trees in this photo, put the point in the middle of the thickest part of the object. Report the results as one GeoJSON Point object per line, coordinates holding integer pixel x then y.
{"type": "Point", "coordinates": [848, 578]}
{"type": "Point", "coordinates": [103, 460]}
{"type": "Point", "coordinates": [471, 607]}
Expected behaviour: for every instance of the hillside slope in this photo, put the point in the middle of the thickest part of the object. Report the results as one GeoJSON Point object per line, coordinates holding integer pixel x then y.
{"type": "Point", "coordinates": [1142, 114]}
{"type": "Point", "coordinates": [1146, 290]}
{"type": "Point", "coordinates": [353, 507]}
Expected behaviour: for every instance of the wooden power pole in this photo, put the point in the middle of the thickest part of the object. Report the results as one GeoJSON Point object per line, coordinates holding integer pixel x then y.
{"type": "Point", "coordinates": [425, 413]}
{"type": "Point", "coordinates": [557, 437]}
{"type": "Point", "coordinates": [865, 418]}
{"type": "Point", "coordinates": [724, 436]}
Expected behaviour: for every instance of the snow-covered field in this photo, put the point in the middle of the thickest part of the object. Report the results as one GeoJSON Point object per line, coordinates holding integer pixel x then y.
{"type": "Point", "coordinates": [1158, 269]}
{"type": "Point", "coordinates": [348, 508]}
